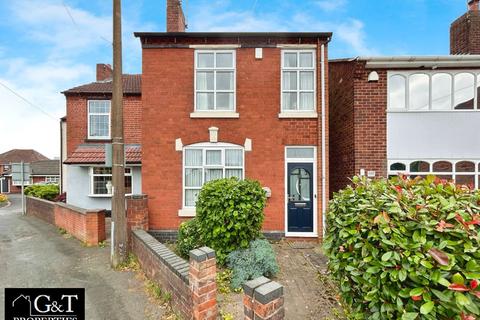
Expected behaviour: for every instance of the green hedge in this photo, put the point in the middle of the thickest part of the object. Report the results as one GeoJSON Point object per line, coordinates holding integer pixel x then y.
{"type": "Point", "coordinates": [406, 249]}
{"type": "Point", "coordinates": [43, 191]}
{"type": "Point", "coordinates": [229, 216]}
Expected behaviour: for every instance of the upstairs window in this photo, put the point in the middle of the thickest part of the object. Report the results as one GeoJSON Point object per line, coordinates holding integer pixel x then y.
{"type": "Point", "coordinates": [99, 119]}
{"type": "Point", "coordinates": [298, 80]}
{"type": "Point", "coordinates": [214, 80]}
{"type": "Point", "coordinates": [433, 90]}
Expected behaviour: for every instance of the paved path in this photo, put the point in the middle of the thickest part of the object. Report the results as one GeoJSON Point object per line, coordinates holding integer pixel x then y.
{"type": "Point", "coordinates": [35, 254]}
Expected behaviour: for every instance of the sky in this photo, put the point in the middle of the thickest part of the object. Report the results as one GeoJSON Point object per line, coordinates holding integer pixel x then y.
{"type": "Point", "coordinates": [47, 46]}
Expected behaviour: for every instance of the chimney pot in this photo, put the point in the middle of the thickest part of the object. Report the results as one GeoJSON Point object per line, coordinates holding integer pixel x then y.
{"type": "Point", "coordinates": [175, 16]}
{"type": "Point", "coordinates": [104, 72]}
{"type": "Point", "coordinates": [473, 5]}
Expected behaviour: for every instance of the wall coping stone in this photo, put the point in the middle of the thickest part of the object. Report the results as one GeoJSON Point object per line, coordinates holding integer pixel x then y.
{"type": "Point", "coordinates": [268, 292]}
{"type": "Point", "coordinates": [176, 264]}
{"type": "Point", "coordinates": [198, 255]}
{"type": "Point", "coordinates": [78, 209]}
{"type": "Point", "coordinates": [42, 200]}
{"type": "Point", "coordinates": [250, 286]}
{"type": "Point", "coordinates": [136, 196]}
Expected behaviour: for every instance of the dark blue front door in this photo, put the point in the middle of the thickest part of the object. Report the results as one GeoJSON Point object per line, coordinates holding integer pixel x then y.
{"type": "Point", "coordinates": [300, 197]}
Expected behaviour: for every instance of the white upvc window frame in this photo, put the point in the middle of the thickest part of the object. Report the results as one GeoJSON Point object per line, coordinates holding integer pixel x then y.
{"type": "Point", "coordinates": [208, 147]}
{"type": "Point", "coordinates": [109, 114]}
{"type": "Point", "coordinates": [454, 173]}
{"type": "Point", "coordinates": [52, 179]}
{"type": "Point", "coordinates": [92, 175]}
{"type": "Point", "coordinates": [298, 70]}
{"type": "Point", "coordinates": [430, 74]}
{"type": "Point", "coordinates": [215, 70]}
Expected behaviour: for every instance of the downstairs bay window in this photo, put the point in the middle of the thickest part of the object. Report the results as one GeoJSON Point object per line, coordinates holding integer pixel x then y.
{"type": "Point", "coordinates": [101, 181]}
{"type": "Point", "coordinates": [206, 162]}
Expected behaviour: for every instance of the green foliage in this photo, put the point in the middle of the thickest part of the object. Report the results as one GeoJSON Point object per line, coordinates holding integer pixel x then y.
{"type": "Point", "coordinates": [189, 237]}
{"type": "Point", "coordinates": [43, 191]}
{"type": "Point", "coordinates": [406, 249]}
{"type": "Point", "coordinates": [255, 261]}
{"type": "Point", "coordinates": [230, 214]}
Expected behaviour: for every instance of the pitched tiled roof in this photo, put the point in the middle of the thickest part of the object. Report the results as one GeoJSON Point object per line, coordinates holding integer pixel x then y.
{"type": "Point", "coordinates": [95, 154]}
{"type": "Point", "coordinates": [132, 84]}
{"type": "Point", "coordinates": [45, 168]}
{"type": "Point", "coordinates": [19, 155]}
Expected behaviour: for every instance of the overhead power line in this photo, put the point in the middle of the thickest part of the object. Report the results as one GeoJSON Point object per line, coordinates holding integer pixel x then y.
{"type": "Point", "coordinates": [28, 101]}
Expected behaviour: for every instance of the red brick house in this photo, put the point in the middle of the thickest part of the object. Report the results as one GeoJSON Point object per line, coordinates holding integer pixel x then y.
{"type": "Point", "coordinates": [412, 115]}
{"type": "Point", "coordinates": [85, 131]}
{"type": "Point", "coordinates": [15, 156]}
{"type": "Point", "coordinates": [45, 172]}
{"type": "Point", "coordinates": [246, 105]}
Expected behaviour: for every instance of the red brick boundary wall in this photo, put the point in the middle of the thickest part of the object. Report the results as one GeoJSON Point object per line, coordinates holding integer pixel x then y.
{"type": "Point", "coordinates": [192, 285]}
{"type": "Point", "coordinates": [137, 214]}
{"type": "Point", "coordinates": [263, 300]}
{"type": "Point", "coordinates": [85, 225]}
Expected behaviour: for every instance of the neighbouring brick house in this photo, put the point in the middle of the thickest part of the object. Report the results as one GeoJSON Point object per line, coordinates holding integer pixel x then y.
{"type": "Point", "coordinates": [86, 130]}
{"type": "Point", "coordinates": [6, 161]}
{"type": "Point", "coordinates": [413, 115]}
{"type": "Point", "coordinates": [246, 105]}
{"type": "Point", "coordinates": [45, 172]}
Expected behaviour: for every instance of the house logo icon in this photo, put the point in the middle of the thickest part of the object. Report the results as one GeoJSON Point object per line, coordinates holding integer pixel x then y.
{"type": "Point", "coordinates": [45, 304]}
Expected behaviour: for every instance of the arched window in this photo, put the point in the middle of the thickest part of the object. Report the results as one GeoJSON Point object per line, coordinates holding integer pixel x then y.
{"type": "Point", "coordinates": [442, 166]}
{"type": "Point", "coordinates": [441, 91]}
{"type": "Point", "coordinates": [204, 162]}
{"type": "Point", "coordinates": [419, 91]}
{"type": "Point", "coordinates": [464, 93]}
{"type": "Point", "coordinates": [465, 166]}
{"type": "Point", "coordinates": [419, 166]}
{"type": "Point", "coordinates": [397, 92]}
{"type": "Point", "coordinates": [398, 166]}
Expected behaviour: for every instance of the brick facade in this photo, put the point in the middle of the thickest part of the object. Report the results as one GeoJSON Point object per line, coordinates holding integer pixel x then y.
{"type": "Point", "coordinates": [358, 122]}
{"type": "Point", "coordinates": [77, 122]}
{"type": "Point", "coordinates": [263, 300]}
{"type": "Point", "coordinates": [168, 100]}
{"type": "Point", "coordinates": [86, 225]}
{"type": "Point", "coordinates": [464, 34]}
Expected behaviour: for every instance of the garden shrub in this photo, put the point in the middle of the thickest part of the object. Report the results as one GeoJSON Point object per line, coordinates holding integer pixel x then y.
{"type": "Point", "coordinates": [189, 237]}
{"type": "Point", "coordinates": [230, 214]}
{"type": "Point", "coordinates": [43, 191]}
{"type": "Point", "coordinates": [406, 249]}
{"type": "Point", "coordinates": [255, 261]}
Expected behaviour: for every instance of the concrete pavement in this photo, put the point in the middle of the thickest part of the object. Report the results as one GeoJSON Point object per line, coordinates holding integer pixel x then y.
{"type": "Point", "coordinates": [34, 254]}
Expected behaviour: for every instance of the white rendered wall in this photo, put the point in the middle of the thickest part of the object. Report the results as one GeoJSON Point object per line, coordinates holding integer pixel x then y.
{"type": "Point", "coordinates": [78, 188]}
{"type": "Point", "coordinates": [433, 135]}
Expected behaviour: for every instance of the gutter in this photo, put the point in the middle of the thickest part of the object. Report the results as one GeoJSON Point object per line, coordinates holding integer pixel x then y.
{"type": "Point", "coordinates": [451, 61]}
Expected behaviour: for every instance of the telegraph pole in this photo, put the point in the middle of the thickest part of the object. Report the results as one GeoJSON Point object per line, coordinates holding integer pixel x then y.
{"type": "Point", "coordinates": [119, 226]}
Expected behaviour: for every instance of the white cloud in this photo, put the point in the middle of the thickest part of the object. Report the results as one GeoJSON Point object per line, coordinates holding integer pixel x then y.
{"type": "Point", "coordinates": [331, 5]}
{"type": "Point", "coordinates": [348, 34]}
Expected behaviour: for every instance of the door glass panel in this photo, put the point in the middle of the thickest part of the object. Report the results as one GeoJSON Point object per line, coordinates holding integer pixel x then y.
{"type": "Point", "coordinates": [299, 185]}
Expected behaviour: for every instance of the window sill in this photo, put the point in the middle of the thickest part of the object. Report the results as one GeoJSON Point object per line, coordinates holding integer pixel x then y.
{"type": "Point", "coordinates": [215, 114]}
{"type": "Point", "coordinates": [98, 140]}
{"type": "Point", "coordinates": [187, 212]}
{"type": "Point", "coordinates": [307, 114]}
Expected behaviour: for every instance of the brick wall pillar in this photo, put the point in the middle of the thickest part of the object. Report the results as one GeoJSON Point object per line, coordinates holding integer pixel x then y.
{"type": "Point", "coordinates": [263, 300]}
{"type": "Point", "coordinates": [137, 213]}
{"type": "Point", "coordinates": [202, 279]}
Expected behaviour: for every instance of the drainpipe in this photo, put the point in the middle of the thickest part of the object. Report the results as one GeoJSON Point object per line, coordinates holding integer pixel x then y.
{"type": "Point", "coordinates": [324, 156]}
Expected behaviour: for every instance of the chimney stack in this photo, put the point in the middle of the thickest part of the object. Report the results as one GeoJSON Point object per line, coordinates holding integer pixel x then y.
{"type": "Point", "coordinates": [104, 72]}
{"type": "Point", "coordinates": [473, 5]}
{"type": "Point", "coordinates": [465, 31]}
{"type": "Point", "coordinates": [175, 16]}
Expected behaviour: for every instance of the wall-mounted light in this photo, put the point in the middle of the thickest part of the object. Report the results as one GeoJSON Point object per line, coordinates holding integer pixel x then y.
{"type": "Point", "coordinates": [373, 76]}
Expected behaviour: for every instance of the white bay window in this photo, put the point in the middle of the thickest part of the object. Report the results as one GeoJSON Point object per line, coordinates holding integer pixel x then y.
{"type": "Point", "coordinates": [215, 80]}
{"type": "Point", "coordinates": [206, 162]}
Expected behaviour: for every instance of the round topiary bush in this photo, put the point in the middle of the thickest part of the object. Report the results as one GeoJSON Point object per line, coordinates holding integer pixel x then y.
{"type": "Point", "coordinates": [230, 214]}
{"type": "Point", "coordinates": [406, 249]}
